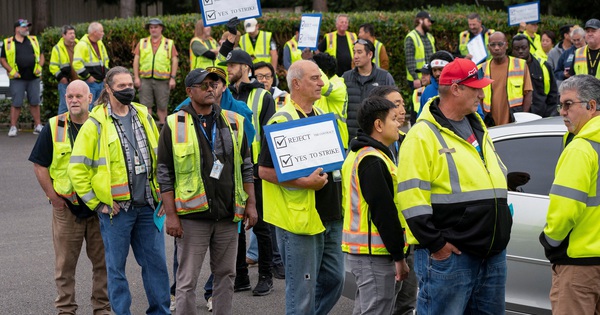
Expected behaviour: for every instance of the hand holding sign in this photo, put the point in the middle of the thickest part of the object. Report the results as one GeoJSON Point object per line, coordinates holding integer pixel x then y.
{"type": "Point", "coordinates": [309, 30]}
{"type": "Point", "coordinates": [232, 25]}
{"type": "Point", "coordinates": [316, 180]}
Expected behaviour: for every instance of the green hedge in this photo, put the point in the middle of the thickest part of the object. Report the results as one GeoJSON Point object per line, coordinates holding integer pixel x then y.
{"type": "Point", "coordinates": [121, 36]}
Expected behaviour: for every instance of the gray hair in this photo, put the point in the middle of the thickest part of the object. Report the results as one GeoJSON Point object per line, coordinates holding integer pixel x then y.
{"type": "Point", "coordinates": [586, 87]}
{"type": "Point", "coordinates": [94, 26]}
{"type": "Point", "coordinates": [296, 71]}
{"type": "Point", "coordinates": [108, 81]}
{"type": "Point", "coordinates": [343, 15]}
{"type": "Point", "coordinates": [578, 31]}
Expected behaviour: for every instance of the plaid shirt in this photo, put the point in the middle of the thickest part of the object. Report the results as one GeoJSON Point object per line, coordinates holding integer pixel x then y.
{"type": "Point", "coordinates": [142, 145]}
{"type": "Point", "coordinates": [409, 50]}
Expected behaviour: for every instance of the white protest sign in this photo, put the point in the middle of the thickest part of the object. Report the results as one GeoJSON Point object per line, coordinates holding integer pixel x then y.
{"type": "Point", "coordinates": [310, 25]}
{"type": "Point", "coordinates": [525, 12]}
{"type": "Point", "coordinates": [300, 146]}
{"type": "Point", "coordinates": [216, 12]}
{"type": "Point", "coordinates": [476, 47]}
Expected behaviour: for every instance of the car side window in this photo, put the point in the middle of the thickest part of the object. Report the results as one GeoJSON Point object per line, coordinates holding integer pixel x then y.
{"type": "Point", "coordinates": [531, 162]}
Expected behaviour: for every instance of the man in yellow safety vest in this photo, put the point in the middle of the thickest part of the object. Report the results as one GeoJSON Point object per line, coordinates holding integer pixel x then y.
{"type": "Point", "coordinates": [260, 45]}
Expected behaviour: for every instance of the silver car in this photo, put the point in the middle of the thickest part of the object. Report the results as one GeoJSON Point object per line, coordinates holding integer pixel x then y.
{"type": "Point", "coordinates": [530, 151]}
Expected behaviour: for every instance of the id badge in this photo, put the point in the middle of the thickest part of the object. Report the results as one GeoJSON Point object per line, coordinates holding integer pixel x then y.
{"type": "Point", "coordinates": [139, 169]}
{"type": "Point", "coordinates": [337, 176]}
{"type": "Point", "coordinates": [136, 159]}
{"type": "Point", "coordinates": [216, 169]}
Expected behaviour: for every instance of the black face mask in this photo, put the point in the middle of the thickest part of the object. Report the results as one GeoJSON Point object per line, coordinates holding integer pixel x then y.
{"type": "Point", "coordinates": [124, 96]}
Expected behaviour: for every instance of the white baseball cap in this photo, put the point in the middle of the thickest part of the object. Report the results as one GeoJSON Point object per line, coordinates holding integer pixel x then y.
{"type": "Point", "coordinates": [250, 25]}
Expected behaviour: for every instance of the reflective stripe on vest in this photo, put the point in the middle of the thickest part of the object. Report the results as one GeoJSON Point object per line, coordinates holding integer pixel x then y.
{"type": "Point", "coordinates": [360, 236]}
{"type": "Point", "coordinates": [256, 96]}
{"type": "Point", "coordinates": [546, 75]}
{"type": "Point", "coordinates": [580, 64]}
{"type": "Point", "coordinates": [331, 39]}
{"type": "Point", "coordinates": [155, 65]}
{"type": "Point", "coordinates": [457, 194]}
{"type": "Point", "coordinates": [201, 61]}
{"type": "Point", "coordinates": [578, 195]}
{"type": "Point", "coordinates": [261, 51]}
{"type": "Point", "coordinates": [61, 145]}
{"type": "Point", "coordinates": [11, 53]}
{"type": "Point", "coordinates": [514, 83]}
{"type": "Point", "coordinates": [295, 53]}
{"type": "Point", "coordinates": [419, 51]}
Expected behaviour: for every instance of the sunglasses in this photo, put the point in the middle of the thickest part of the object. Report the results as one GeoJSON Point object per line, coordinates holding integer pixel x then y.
{"type": "Point", "coordinates": [361, 41]}
{"type": "Point", "coordinates": [477, 75]}
{"type": "Point", "coordinates": [205, 85]}
{"type": "Point", "coordinates": [566, 105]}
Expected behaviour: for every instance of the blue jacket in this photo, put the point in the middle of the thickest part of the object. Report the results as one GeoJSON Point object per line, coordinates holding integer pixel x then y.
{"type": "Point", "coordinates": [229, 103]}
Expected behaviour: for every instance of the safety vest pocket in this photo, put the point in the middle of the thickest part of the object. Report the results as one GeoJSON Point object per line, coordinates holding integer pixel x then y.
{"type": "Point", "coordinates": [515, 91]}
{"type": "Point", "coordinates": [301, 215]}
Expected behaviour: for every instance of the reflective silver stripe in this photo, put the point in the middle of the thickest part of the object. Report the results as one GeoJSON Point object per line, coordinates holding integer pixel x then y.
{"type": "Point", "coordinates": [92, 64]}
{"type": "Point", "coordinates": [265, 44]}
{"type": "Point", "coordinates": [363, 240]}
{"type": "Point", "coordinates": [570, 193]}
{"type": "Point", "coordinates": [319, 111]}
{"type": "Point", "coordinates": [88, 197]}
{"type": "Point", "coordinates": [340, 118]}
{"type": "Point", "coordinates": [119, 190]}
{"type": "Point", "coordinates": [417, 211]}
{"type": "Point", "coordinates": [98, 127]}
{"type": "Point", "coordinates": [232, 120]}
{"type": "Point", "coordinates": [329, 89]}
{"type": "Point", "coordinates": [552, 242]}
{"type": "Point", "coordinates": [87, 161]}
{"type": "Point", "coordinates": [60, 131]}
{"type": "Point", "coordinates": [468, 196]}
{"type": "Point", "coordinates": [452, 170]}
{"type": "Point", "coordinates": [355, 188]}
{"type": "Point", "coordinates": [413, 183]}
{"type": "Point", "coordinates": [287, 115]}
{"type": "Point", "coordinates": [255, 116]}
{"type": "Point", "coordinates": [181, 127]}
{"type": "Point", "coordinates": [192, 204]}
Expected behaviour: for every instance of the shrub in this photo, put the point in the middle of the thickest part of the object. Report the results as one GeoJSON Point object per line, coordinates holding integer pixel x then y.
{"type": "Point", "coordinates": [121, 36]}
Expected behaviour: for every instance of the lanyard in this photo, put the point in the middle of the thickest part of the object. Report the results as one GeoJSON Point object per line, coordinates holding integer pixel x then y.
{"type": "Point", "coordinates": [214, 133]}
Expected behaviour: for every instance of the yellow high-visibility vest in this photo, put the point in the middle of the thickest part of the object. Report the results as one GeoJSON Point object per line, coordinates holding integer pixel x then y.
{"type": "Point", "coordinates": [155, 65]}
{"type": "Point", "coordinates": [11, 52]}
{"type": "Point", "coordinates": [514, 83]}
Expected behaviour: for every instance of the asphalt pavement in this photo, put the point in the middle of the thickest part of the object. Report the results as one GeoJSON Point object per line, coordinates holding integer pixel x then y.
{"type": "Point", "coordinates": [27, 255]}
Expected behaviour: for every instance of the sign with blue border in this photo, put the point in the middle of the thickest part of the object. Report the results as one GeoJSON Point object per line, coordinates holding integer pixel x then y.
{"type": "Point", "coordinates": [215, 12]}
{"type": "Point", "coordinates": [524, 12]}
{"type": "Point", "coordinates": [298, 147]}
{"type": "Point", "coordinates": [310, 26]}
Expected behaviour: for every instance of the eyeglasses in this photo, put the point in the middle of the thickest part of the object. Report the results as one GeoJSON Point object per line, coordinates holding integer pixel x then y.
{"type": "Point", "coordinates": [478, 75]}
{"type": "Point", "coordinates": [264, 76]}
{"type": "Point", "coordinates": [497, 44]}
{"type": "Point", "coordinates": [566, 105]}
{"type": "Point", "coordinates": [205, 85]}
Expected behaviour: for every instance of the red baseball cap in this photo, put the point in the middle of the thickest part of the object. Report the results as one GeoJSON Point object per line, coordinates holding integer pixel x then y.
{"type": "Point", "coordinates": [465, 72]}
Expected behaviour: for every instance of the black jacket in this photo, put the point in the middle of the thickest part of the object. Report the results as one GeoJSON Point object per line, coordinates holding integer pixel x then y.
{"type": "Point", "coordinates": [378, 190]}
{"type": "Point", "coordinates": [358, 89]}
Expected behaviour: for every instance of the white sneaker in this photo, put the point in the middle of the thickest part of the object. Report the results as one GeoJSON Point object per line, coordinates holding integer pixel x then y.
{"type": "Point", "coordinates": [13, 131]}
{"type": "Point", "coordinates": [172, 307]}
{"type": "Point", "coordinates": [209, 304]}
{"type": "Point", "coordinates": [37, 129]}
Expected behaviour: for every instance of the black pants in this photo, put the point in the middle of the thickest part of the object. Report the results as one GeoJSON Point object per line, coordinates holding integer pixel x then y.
{"type": "Point", "coordinates": [263, 238]}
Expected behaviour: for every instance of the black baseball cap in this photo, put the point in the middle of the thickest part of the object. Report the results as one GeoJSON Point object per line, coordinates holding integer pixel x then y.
{"type": "Point", "coordinates": [425, 15]}
{"type": "Point", "coordinates": [237, 56]}
{"type": "Point", "coordinates": [198, 75]}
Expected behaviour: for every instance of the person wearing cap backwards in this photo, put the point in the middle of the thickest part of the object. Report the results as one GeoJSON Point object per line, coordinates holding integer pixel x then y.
{"type": "Point", "coordinates": [530, 29]}
{"type": "Point", "coordinates": [61, 64]}
{"type": "Point", "coordinates": [586, 57]}
{"type": "Point", "coordinates": [23, 59]}
{"type": "Point", "coordinates": [437, 62]}
{"type": "Point", "coordinates": [205, 176]}
{"type": "Point", "coordinates": [511, 90]}
{"type": "Point", "coordinates": [154, 69]}
{"type": "Point", "coordinates": [545, 91]}
{"type": "Point", "coordinates": [260, 45]}
{"type": "Point", "coordinates": [475, 28]}
{"type": "Point", "coordinates": [252, 92]}
{"type": "Point", "coordinates": [339, 44]}
{"type": "Point", "coordinates": [361, 80]}
{"type": "Point", "coordinates": [571, 236]}
{"type": "Point", "coordinates": [90, 59]}
{"type": "Point", "coordinates": [113, 169]}
{"type": "Point", "coordinates": [419, 45]}
{"type": "Point", "coordinates": [455, 200]}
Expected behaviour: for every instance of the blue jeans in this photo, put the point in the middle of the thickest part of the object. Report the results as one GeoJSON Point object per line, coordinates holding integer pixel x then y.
{"type": "Point", "coordinates": [460, 284]}
{"type": "Point", "coordinates": [252, 251]}
{"type": "Point", "coordinates": [314, 269]}
{"type": "Point", "coordinates": [95, 89]}
{"type": "Point", "coordinates": [62, 104]}
{"type": "Point", "coordinates": [135, 227]}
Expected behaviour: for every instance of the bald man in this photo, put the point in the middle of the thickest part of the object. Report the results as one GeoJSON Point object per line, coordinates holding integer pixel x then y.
{"type": "Point", "coordinates": [503, 98]}
{"type": "Point", "coordinates": [72, 221]}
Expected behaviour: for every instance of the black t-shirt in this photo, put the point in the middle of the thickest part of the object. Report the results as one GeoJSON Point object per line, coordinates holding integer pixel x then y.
{"type": "Point", "coordinates": [42, 154]}
{"type": "Point", "coordinates": [328, 199]}
{"type": "Point", "coordinates": [343, 56]}
{"type": "Point", "coordinates": [592, 57]}
{"type": "Point", "coordinates": [24, 57]}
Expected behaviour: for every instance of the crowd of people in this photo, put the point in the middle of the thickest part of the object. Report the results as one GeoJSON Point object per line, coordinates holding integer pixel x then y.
{"type": "Point", "coordinates": [421, 209]}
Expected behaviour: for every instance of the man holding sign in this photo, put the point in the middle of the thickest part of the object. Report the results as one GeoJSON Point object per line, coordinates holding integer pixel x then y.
{"type": "Point", "coordinates": [475, 28]}
{"type": "Point", "coordinates": [306, 211]}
